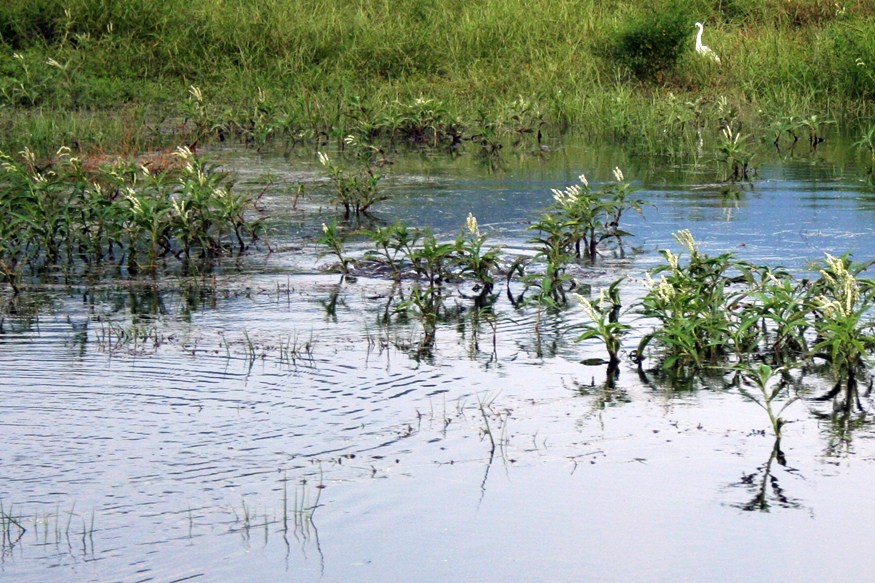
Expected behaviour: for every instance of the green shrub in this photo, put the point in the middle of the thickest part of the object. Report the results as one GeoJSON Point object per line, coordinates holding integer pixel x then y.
{"type": "Point", "coordinates": [649, 43]}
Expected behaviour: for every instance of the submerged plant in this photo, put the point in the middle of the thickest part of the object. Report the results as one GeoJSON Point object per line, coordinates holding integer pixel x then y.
{"type": "Point", "coordinates": [432, 260]}
{"type": "Point", "coordinates": [867, 143]}
{"type": "Point", "coordinates": [735, 154]}
{"type": "Point", "coordinates": [579, 221]}
{"type": "Point", "coordinates": [550, 246]}
{"type": "Point", "coordinates": [394, 243]}
{"type": "Point", "coordinates": [67, 215]}
{"type": "Point", "coordinates": [586, 218]}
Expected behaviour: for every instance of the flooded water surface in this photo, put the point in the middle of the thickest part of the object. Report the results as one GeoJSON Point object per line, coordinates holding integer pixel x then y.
{"type": "Point", "coordinates": [265, 423]}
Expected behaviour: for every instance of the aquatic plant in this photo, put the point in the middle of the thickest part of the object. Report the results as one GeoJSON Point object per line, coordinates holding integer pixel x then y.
{"type": "Point", "coordinates": [604, 324]}
{"type": "Point", "coordinates": [333, 239]}
{"type": "Point", "coordinates": [432, 260]}
{"type": "Point", "coordinates": [689, 304]}
{"type": "Point", "coordinates": [394, 243]}
{"type": "Point", "coordinates": [780, 307]}
{"type": "Point", "coordinates": [550, 246]}
{"type": "Point", "coordinates": [472, 260]}
{"type": "Point", "coordinates": [845, 333]}
{"type": "Point", "coordinates": [356, 192]}
{"type": "Point", "coordinates": [573, 227]}
{"type": "Point", "coordinates": [587, 218]}
{"type": "Point", "coordinates": [762, 378]}
{"type": "Point", "coordinates": [65, 214]}
{"type": "Point", "coordinates": [733, 151]}
{"type": "Point", "coordinates": [867, 143]}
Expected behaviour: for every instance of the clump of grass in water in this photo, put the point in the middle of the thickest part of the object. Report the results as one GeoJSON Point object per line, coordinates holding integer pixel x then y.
{"type": "Point", "coordinates": [716, 312]}
{"type": "Point", "coordinates": [333, 239]}
{"type": "Point", "coordinates": [690, 305]}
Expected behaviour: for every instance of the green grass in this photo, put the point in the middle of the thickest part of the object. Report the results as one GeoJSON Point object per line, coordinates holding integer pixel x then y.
{"type": "Point", "coordinates": [268, 70]}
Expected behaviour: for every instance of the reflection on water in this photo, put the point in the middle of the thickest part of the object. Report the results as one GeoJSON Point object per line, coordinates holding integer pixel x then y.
{"type": "Point", "coordinates": [276, 422]}
{"type": "Point", "coordinates": [763, 484]}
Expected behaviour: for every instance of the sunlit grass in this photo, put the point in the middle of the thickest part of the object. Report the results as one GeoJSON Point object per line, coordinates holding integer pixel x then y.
{"type": "Point", "coordinates": [328, 64]}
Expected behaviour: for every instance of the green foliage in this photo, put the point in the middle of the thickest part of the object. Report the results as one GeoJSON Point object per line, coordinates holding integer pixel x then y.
{"type": "Point", "coordinates": [714, 310]}
{"type": "Point", "coordinates": [735, 154]}
{"type": "Point", "coordinates": [851, 52]}
{"type": "Point", "coordinates": [604, 323]}
{"type": "Point", "coordinates": [434, 75]}
{"type": "Point", "coordinates": [333, 239]}
{"type": "Point", "coordinates": [392, 241]}
{"type": "Point", "coordinates": [844, 331]}
{"type": "Point", "coordinates": [649, 43]}
{"type": "Point", "coordinates": [761, 377]}
{"type": "Point", "coordinates": [690, 305]}
{"type": "Point", "coordinates": [61, 214]}
{"type": "Point", "coordinates": [573, 227]}
{"type": "Point", "coordinates": [472, 260]}
{"type": "Point", "coordinates": [356, 191]}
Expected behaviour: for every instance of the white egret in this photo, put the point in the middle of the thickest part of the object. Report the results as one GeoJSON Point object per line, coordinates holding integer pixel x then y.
{"type": "Point", "coordinates": [702, 49]}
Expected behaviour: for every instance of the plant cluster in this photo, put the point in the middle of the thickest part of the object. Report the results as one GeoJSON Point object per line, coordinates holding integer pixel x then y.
{"type": "Point", "coordinates": [61, 213]}
{"type": "Point", "coordinates": [572, 228]}
{"type": "Point", "coordinates": [716, 311]}
{"type": "Point", "coordinates": [579, 223]}
{"type": "Point", "coordinates": [355, 191]}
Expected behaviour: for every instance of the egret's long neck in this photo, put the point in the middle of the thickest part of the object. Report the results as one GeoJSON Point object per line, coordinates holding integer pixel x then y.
{"type": "Point", "coordinates": [699, 38]}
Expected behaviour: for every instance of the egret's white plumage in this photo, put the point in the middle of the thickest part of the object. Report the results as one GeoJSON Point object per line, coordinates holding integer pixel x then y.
{"type": "Point", "coordinates": [702, 49]}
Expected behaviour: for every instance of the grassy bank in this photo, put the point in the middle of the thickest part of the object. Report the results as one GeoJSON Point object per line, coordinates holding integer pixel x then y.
{"type": "Point", "coordinates": [115, 75]}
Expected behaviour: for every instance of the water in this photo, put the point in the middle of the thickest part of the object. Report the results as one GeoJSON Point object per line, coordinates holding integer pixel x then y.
{"type": "Point", "coordinates": [265, 427]}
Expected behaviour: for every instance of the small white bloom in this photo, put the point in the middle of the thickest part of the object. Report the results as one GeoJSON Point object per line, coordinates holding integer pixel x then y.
{"type": "Point", "coordinates": [196, 93]}
{"type": "Point", "coordinates": [324, 228]}
{"type": "Point", "coordinates": [618, 174]}
{"type": "Point", "coordinates": [323, 159]}
{"type": "Point", "coordinates": [183, 153]}
{"type": "Point", "coordinates": [685, 239]}
{"type": "Point", "coordinates": [673, 260]}
{"type": "Point", "coordinates": [588, 308]}
{"type": "Point", "coordinates": [471, 224]}
{"type": "Point", "coordinates": [583, 180]}
{"type": "Point", "coordinates": [665, 290]}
